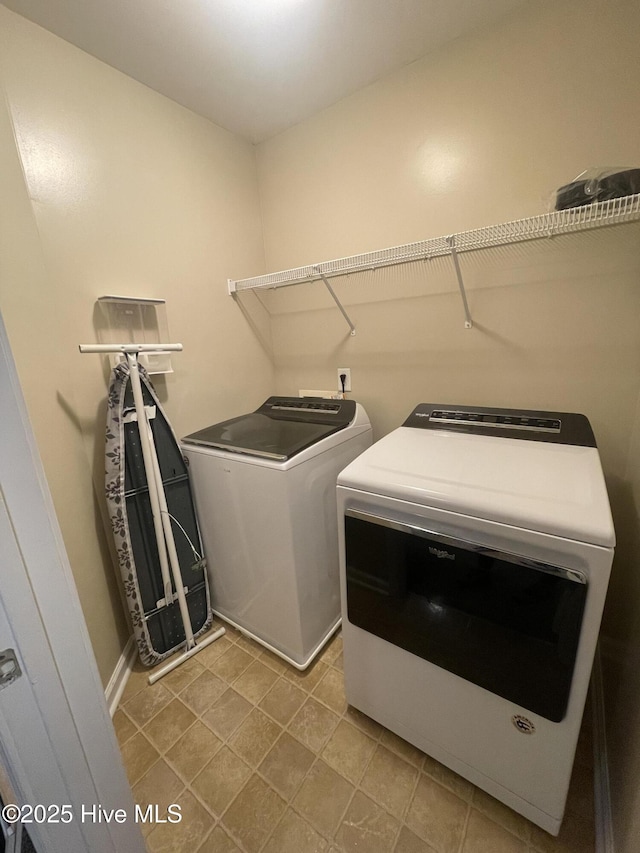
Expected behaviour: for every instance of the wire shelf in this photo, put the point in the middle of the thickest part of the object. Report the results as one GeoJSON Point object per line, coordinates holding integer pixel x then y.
{"type": "Point", "coordinates": [597, 215]}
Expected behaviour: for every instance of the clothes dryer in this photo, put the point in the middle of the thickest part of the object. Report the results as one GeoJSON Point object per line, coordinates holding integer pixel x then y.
{"type": "Point", "coordinates": [265, 491]}
{"type": "Point", "coordinates": [476, 547]}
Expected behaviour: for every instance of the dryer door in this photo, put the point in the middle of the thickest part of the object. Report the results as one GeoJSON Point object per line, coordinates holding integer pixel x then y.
{"type": "Point", "coordinates": [504, 622]}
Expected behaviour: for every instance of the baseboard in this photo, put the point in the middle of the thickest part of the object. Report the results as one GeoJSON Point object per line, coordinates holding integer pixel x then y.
{"type": "Point", "coordinates": [115, 688]}
{"type": "Point", "coordinates": [602, 792]}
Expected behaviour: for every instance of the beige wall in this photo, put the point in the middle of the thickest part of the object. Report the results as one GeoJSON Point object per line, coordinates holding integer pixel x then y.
{"type": "Point", "coordinates": [32, 313]}
{"type": "Point", "coordinates": [478, 133]}
{"type": "Point", "coordinates": [123, 192]}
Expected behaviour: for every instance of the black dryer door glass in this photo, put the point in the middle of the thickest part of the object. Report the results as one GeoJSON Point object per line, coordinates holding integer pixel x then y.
{"type": "Point", "coordinates": [507, 624]}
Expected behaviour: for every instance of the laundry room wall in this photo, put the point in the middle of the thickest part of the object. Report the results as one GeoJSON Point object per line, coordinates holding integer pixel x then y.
{"type": "Point", "coordinates": [480, 132]}
{"type": "Point", "coordinates": [110, 188]}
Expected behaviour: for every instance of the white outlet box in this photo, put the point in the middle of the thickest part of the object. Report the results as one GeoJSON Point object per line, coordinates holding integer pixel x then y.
{"type": "Point", "coordinates": [347, 372]}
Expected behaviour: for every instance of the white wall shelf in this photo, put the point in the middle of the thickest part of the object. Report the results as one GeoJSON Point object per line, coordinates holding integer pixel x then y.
{"type": "Point", "coordinates": [598, 215]}
{"type": "Point", "coordinates": [135, 319]}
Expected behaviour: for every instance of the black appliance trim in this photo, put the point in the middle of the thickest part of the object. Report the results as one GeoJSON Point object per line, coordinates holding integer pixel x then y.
{"type": "Point", "coordinates": [317, 410]}
{"type": "Point", "coordinates": [467, 545]}
{"type": "Point", "coordinates": [335, 415]}
{"type": "Point", "coordinates": [503, 622]}
{"type": "Point", "coordinates": [527, 424]}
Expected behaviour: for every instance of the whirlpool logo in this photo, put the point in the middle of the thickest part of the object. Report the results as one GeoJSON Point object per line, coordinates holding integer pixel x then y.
{"type": "Point", "coordinates": [523, 724]}
{"type": "Point", "coordinates": [441, 555]}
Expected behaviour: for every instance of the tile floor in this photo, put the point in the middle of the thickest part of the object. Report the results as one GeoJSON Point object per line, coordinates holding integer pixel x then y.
{"type": "Point", "coordinates": [261, 757]}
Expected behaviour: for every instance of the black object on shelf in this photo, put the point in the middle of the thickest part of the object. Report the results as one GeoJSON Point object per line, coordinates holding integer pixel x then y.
{"type": "Point", "coordinates": [602, 187]}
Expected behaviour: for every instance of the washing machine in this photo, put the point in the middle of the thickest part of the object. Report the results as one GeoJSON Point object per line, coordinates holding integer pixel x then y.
{"type": "Point", "coordinates": [475, 552]}
{"type": "Point", "coordinates": [264, 487]}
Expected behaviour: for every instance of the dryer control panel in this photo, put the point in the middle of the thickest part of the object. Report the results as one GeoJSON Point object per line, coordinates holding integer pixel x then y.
{"type": "Point", "coordinates": [556, 427]}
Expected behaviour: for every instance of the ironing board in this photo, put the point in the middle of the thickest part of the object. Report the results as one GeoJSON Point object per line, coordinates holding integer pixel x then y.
{"type": "Point", "coordinates": [153, 518]}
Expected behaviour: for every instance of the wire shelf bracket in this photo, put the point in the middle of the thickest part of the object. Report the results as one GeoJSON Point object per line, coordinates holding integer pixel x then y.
{"type": "Point", "coordinates": [336, 300]}
{"type": "Point", "coordinates": [468, 324]}
{"type": "Point", "coordinates": [546, 225]}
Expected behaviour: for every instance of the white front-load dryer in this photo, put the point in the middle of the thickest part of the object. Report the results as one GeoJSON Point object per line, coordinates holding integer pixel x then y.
{"type": "Point", "coordinates": [475, 552]}
{"type": "Point", "coordinates": [264, 485]}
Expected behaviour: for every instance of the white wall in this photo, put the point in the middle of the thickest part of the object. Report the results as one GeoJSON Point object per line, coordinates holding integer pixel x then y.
{"type": "Point", "coordinates": [111, 188]}
{"type": "Point", "coordinates": [480, 132]}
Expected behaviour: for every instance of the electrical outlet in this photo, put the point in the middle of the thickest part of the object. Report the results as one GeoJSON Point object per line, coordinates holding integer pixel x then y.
{"type": "Point", "coordinates": [346, 371]}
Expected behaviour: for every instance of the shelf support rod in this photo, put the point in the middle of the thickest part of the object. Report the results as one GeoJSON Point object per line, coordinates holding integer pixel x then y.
{"type": "Point", "coordinates": [468, 323]}
{"type": "Point", "coordinates": [336, 300]}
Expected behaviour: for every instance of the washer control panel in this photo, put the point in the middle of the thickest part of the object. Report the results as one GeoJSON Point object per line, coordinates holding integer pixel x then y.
{"type": "Point", "coordinates": [305, 406]}
{"type": "Point", "coordinates": [315, 410]}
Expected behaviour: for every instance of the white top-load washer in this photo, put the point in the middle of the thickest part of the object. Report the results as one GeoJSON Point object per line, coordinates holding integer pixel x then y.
{"type": "Point", "coordinates": [476, 546]}
{"type": "Point", "coordinates": [264, 486]}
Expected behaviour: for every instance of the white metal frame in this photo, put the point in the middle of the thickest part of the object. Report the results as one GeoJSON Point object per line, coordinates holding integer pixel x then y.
{"type": "Point", "coordinates": [598, 215]}
{"type": "Point", "coordinates": [168, 556]}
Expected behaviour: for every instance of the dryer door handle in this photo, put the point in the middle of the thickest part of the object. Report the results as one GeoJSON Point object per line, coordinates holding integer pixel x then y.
{"type": "Point", "coordinates": [476, 548]}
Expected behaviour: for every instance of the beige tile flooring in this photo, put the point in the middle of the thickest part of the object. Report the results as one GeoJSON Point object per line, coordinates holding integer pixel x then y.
{"type": "Point", "coordinates": [261, 757]}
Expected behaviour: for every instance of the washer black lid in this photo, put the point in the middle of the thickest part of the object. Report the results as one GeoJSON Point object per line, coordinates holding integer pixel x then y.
{"type": "Point", "coordinates": [280, 428]}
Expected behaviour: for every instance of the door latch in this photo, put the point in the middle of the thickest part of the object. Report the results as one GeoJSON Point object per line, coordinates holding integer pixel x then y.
{"type": "Point", "coordinates": [9, 668]}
